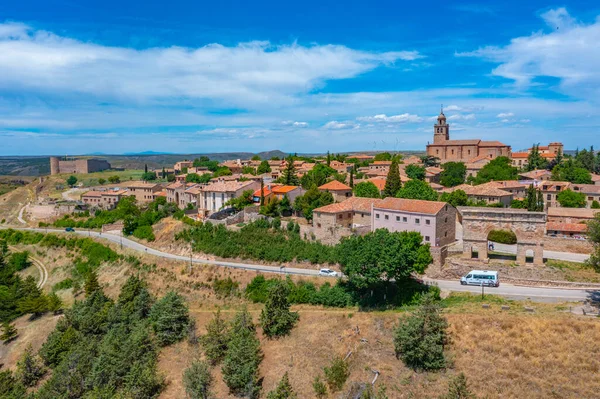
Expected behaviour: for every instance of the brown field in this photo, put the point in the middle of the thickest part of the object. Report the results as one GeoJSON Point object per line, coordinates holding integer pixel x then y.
{"type": "Point", "coordinates": [548, 354]}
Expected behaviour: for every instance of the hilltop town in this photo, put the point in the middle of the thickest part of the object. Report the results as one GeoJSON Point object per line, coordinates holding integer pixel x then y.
{"type": "Point", "coordinates": [297, 246]}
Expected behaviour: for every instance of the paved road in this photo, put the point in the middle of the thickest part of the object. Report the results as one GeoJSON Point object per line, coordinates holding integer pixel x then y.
{"type": "Point", "coordinates": [506, 290]}
{"type": "Point", "coordinates": [568, 256]}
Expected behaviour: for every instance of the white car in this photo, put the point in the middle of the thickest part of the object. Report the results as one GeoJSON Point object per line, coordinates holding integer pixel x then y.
{"type": "Point", "coordinates": [328, 273]}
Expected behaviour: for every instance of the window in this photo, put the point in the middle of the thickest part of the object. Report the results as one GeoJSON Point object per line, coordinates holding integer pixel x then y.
{"type": "Point", "coordinates": [349, 215]}
{"type": "Point", "coordinates": [590, 198]}
{"type": "Point", "coordinates": [427, 238]}
{"type": "Point", "coordinates": [376, 216]}
{"type": "Point", "coordinates": [404, 219]}
{"type": "Point", "coordinates": [452, 152]}
{"type": "Point", "coordinates": [437, 152]}
{"type": "Point", "coordinates": [427, 221]}
{"type": "Point", "coordinates": [445, 234]}
{"type": "Point", "coordinates": [417, 221]}
{"type": "Point", "coordinates": [446, 219]}
{"type": "Point", "coordinates": [319, 225]}
{"type": "Point", "coordinates": [397, 218]}
{"type": "Point", "coordinates": [549, 197]}
{"type": "Point", "coordinates": [469, 152]}
{"type": "Point", "coordinates": [387, 217]}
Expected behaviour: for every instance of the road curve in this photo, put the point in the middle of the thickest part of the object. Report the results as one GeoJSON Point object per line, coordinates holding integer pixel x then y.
{"type": "Point", "coordinates": [539, 294]}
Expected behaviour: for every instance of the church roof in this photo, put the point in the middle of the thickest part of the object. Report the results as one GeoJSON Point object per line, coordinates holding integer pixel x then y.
{"type": "Point", "coordinates": [457, 142]}
{"type": "Point", "coordinates": [492, 144]}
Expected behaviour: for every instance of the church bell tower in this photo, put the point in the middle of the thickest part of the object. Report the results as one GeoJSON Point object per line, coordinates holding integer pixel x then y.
{"type": "Point", "coordinates": [441, 130]}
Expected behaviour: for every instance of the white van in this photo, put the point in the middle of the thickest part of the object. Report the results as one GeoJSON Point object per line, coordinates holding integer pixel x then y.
{"type": "Point", "coordinates": [481, 277]}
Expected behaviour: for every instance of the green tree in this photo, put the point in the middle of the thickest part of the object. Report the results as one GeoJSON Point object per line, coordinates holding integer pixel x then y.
{"type": "Point", "coordinates": [586, 159]}
{"type": "Point", "coordinates": [71, 181]}
{"type": "Point", "coordinates": [9, 332]}
{"type": "Point", "coordinates": [170, 319]}
{"type": "Point", "coordinates": [455, 198]}
{"type": "Point", "coordinates": [420, 339]}
{"type": "Point", "coordinates": [289, 176]}
{"type": "Point", "coordinates": [535, 160]}
{"type": "Point", "coordinates": [571, 171]}
{"type": "Point", "coordinates": [271, 209]}
{"type": "Point", "coordinates": [285, 206]}
{"type": "Point", "coordinates": [595, 205]}
{"type": "Point", "coordinates": [255, 157]}
{"type": "Point", "coordinates": [243, 357]}
{"type": "Point", "coordinates": [532, 200]}
{"type": "Point", "coordinates": [318, 176]}
{"type": "Point", "coordinates": [197, 380]}
{"type": "Point", "coordinates": [458, 388]}
{"type": "Point", "coordinates": [593, 233]}
{"type": "Point", "coordinates": [19, 260]}
{"type": "Point", "coordinates": [393, 184]}
{"type": "Point", "coordinates": [382, 256]}
{"type": "Point", "coordinates": [415, 172]}
{"type": "Point", "coordinates": [571, 199]}
{"type": "Point", "coordinates": [283, 390]}
{"type": "Point", "coordinates": [54, 303]}
{"type": "Point", "coordinates": [417, 189]}
{"type": "Point", "coordinates": [10, 388]}
{"type": "Point", "coordinates": [241, 202]}
{"type": "Point", "coordinates": [101, 181]}
{"type": "Point", "coordinates": [328, 158]}
{"type": "Point", "coordinates": [276, 319]}
{"type": "Point", "coordinates": [383, 156]}
{"type": "Point", "coordinates": [164, 173]}
{"type": "Point", "coordinates": [216, 338]}
{"type": "Point", "coordinates": [114, 179]}
{"type": "Point", "coordinates": [29, 368]}
{"type": "Point", "coordinates": [497, 169]}
{"type": "Point", "coordinates": [312, 199]}
{"type": "Point", "coordinates": [319, 387]}
{"type": "Point", "coordinates": [351, 183]}
{"type": "Point", "coordinates": [453, 174]}
{"type": "Point", "coordinates": [91, 283]}
{"type": "Point", "coordinates": [429, 160]}
{"type": "Point", "coordinates": [262, 192]}
{"type": "Point", "coordinates": [336, 374]}
{"type": "Point", "coordinates": [149, 176]}
{"type": "Point", "coordinates": [366, 189]}
{"type": "Point", "coordinates": [263, 168]}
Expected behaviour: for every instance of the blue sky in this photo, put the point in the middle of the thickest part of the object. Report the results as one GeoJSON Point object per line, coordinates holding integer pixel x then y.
{"type": "Point", "coordinates": [311, 76]}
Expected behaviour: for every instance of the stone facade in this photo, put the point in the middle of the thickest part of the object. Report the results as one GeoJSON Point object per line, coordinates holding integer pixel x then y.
{"type": "Point", "coordinates": [529, 227]}
{"type": "Point", "coordinates": [143, 192]}
{"type": "Point", "coordinates": [75, 166]}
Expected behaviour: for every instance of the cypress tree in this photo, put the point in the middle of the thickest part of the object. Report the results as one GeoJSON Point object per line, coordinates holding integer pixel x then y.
{"type": "Point", "coordinates": [393, 184]}
{"type": "Point", "coordinates": [328, 158]}
{"type": "Point", "coordinates": [352, 178]}
{"type": "Point", "coordinates": [164, 173]}
{"type": "Point", "coordinates": [540, 201]}
{"type": "Point", "coordinates": [262, 192]}
{"type": "Point", "coordinates": [289, 173]}
{"type": "Point", "coordinates": [145, 168]}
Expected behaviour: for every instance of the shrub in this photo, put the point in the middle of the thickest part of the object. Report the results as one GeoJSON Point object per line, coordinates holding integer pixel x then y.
{"type": "Point", "coordinates": [458, 388]}
{"type": "Point", "coordinates": [29, 368]}
{"type": "Point", "coordinates": [63, 285]}
{"type": "Point", "coordinates": [197, 380]}
{"type": "Point", "coordinates": [215, 340]}
{"type": "Point", "coordinates": [225, 288]}
{"type": "Point", "coordinates": [419, 339]}
{"type": "Point", "coordinates": [19, 260]}
{"type": "Point", "coordinates": [319, 387]}
{"type": "Point", "coordinates": [336, 374]}
{"type": "Point", "coordinates": [276, 318]}
{"type": "Point", "coordinates": [144, 233]}
{"type": "Point", "coordinates": [503, 236]}
{"type": "Point", "coordinates": [170, 318]}
{"type": "Point", "coordinates": [283, 390]}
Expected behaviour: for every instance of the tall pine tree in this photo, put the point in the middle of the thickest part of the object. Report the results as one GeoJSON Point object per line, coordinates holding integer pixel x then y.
{"type": "Point", "coordinates": [393, 184]}
{"type": "Point", "coordinates": [289, 176]}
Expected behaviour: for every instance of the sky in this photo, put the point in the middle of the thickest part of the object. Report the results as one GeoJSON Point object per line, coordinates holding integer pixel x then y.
{"type": "Point", "coordinates": [196, 77]}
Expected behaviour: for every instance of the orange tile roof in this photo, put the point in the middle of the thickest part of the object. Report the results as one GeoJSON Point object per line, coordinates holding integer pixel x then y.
{"type": "Point", "coordinates": [492, 144]}
{"type": "Point", "coordinates": [595, 177]}
{"type": "Point", "coordinates": [456, 142]}
{"type": "Point", "coordinates": [283, 189]}
{"type": "Point", "coordinates": [433, 170]}
{"type": "Point", "coordinates": [335, 185]}
{"type": "Point", "coordinates": [519, 154]}
{"type": "Point", "coordinates": [481, 190]}
{"type": "Point", "coordinates": [379, 182]}
{"type": "Point", "coordinates": [228, 186]}
{"type": "Point", "coordinates": [141, 184]}
{"type": "Point", "coordinates": [175, 185]}
{"type": "Point", "coordinates": [92, 194]}
{"type": "Point", "coordinates": [382, 163]}
{"type": "Point", "coordinates": [569, 227]}
{"type": "Point", "coordinates": [412, 206]}
{"type": "Point", "coordinates": [266, 192]}
{"type": "Point", "coordinates": [160, 194]}
{"type": "Point", "coordinates": [112, 192]}
{"type": "Point", "coordinates": [534, 174]}
{"type": "Point", "coordinates": [505, 184]}
{"type": "Point", "coordinates": [479, 158]}
{"type": "Point", "coordinates": [353, 204]}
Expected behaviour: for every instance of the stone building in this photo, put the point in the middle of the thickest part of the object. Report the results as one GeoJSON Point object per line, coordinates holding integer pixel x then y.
{"type": "Point", "coordinates": [549, 153]}
{"type": "Point", "coordinates": [488, 193]}
{"type": "Point", "coordinates": [352, 213]}
{"type": "Point", "coordinates": [143, 192]}
{"type": "Point", "coordinates": [434, 220]}
{"type": "Point", "coordinates": [461, 150]}
{"type": "Point", "coordinates": [340, 191]}
{"type": "Point", "coordinates": [215, 195]}
{"type": "Point", "coordinates": [103, 199]}
{"type": "Point", "coordinates": [74, 166]}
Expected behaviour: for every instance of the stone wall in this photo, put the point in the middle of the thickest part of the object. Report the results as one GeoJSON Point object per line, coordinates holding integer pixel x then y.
{"type": "Point", "coordinates": [568, 245]}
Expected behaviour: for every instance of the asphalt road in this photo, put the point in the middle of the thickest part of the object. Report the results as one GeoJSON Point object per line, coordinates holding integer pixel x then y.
{"type": "Point", "coordinates": [506, 290]}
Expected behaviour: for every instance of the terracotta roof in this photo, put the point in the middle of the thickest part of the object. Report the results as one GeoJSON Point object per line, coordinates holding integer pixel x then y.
{"type": "Point", "coordinates": [92, 194]}
{"type": "Point", "coordinates": [582, 213]}
{"type": "Point", "coordinates": [586, 188]}
{"type": "Point", "coordinates": [433, 170]}
{"type": "Point", "coordinates": [548, 155]}
{"type": "Point", "coordinates": [141, 184]}
{"type": "Point", "coordinates": [353, 204]}
{"type": "Point", "coordinates": [413, 159]}
{"type": "Point", "coordinates": [160, 194]}
{"type": "Point", "coordinates": [535, 174]}
{"type": "Point", "coordinates": [194, 190]}
{"type": "Point", "coordinates": [481, 190]}
{"type": "Point", "coordinates": [378, 181]}
{"type": "Point", "coordinates": [266, 192]}
{"type": "Point", "coordinates": [505, 184]}
{"type": "Point", "coordinates": [456, 142]}
{"type": "Point", "coordinates": [283, 189]}
{"type": "Point", "coordinates": [479, 158]}
{"type": "Point", "coordinates": [382, 163]}
{"type": "Point", "coordinates": [436, 186]}
{"type": "Point", "coordinates": [554, 186]}
{"type": "Point", "coordinates": [360, 156]}
{"type": "Point", "coordinates": [569, 227]}
{"type": "Point", "coordinates": [335, 185]}
{"type": "Point", "coordinates": [492, 144]}
{"type": "Point", "coordinates": [112, 192]}
{"type": "Point", "coordinates": [228, 186]}
{"type": "Point", "coordinates": [175, 185]}
{"type": "Point", "coordinates": [595, 177]}
{"type": "Point", "coordinates": [412, 206]}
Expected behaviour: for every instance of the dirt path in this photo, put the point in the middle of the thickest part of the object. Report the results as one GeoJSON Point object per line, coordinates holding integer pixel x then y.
{"type": "Point", "coordinates": [42, 270]}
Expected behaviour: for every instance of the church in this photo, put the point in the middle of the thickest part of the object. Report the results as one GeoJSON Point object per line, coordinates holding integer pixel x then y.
{"type": "Point", "coordinates": [466, 151]}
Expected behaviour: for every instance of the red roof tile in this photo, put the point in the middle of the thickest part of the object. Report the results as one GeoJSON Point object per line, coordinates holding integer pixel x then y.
{"type": "Point", "coordinates": [569, 227]}
{"type": "Point", "coordinates": [353, 204]}
{"type": "Point", "coordinates": [412, 206]}
{"type": "Point", "coordinates": [334, 185]}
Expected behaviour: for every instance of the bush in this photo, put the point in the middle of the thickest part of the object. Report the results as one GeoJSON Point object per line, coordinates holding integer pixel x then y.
{"type": "Point", "coordinates": [420, 339]}
{"type": "Point", "coordinates": [276, 318]}
{"type": "Point", "coordinates": [170, 318]}
{"type": "Point", "coordinates": [216, 339]}
{"type": "Point", "coordinates": [19, 260]}
{"type": "Point", "coordinates": [502, 237]}
{"type": "Point", "coordinates": [319, 387]}
{"type": "Point", "coordinates": [144, 233]}
{"type": "Point", "coordinates": [225, 288]}
{"type": "Point", "coordinates": [458, 388]}
{"type": "Point", "coordinates": [283, 390]}
{"type": "Point", "coordinates": [336, 374]}
{"type": "Point", "coordinates": [29, 368]}
{"type": "Point", "coordinates": [63, 285]}
{"type": "Point", "coordinates": [197, 380]}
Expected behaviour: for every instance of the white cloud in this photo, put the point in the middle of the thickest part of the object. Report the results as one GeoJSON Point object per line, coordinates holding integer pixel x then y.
{"type": "Point", "coordinates": [402, 118]}
{"type": "Point", "coordinates": [249, 73]}
{"type": "Point", "coordinates": [505, 115]}
{"type": "Point", "coordinates": [461, 117]}
{"type": "Point", "coordinates": [462, 109]}
{"type": "Point", "coordinates": [295, 124]}
{"type": "Point", "coordinates": [340, 125]}
{"type": "Point", "coordinates": [568, 52]}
